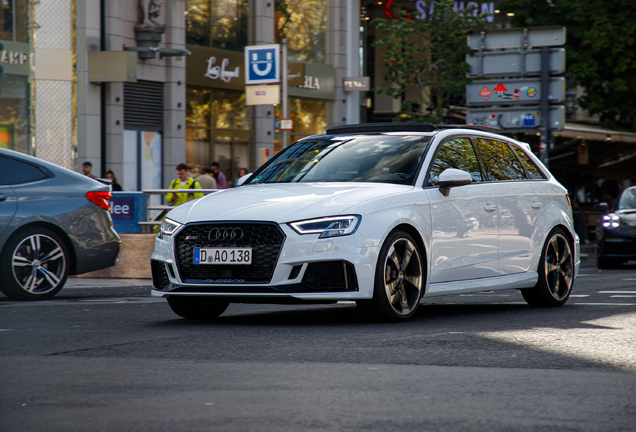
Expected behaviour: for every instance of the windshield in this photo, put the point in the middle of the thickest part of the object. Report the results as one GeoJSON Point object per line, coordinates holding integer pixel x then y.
{"type": "Point", "coordinates": [627, 200]}
{"type": "Point", "coordinates": [376, 158]}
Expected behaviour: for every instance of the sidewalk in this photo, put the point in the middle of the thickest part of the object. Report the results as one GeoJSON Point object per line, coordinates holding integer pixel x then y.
{"type": "Point", "coordinates": [106, 282]}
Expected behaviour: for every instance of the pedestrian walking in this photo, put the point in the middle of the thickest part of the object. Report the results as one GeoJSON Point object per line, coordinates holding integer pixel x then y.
{"type": "Point", "coordinates": [221, 181]}
{"type": "Point", "coordinates": [184, 181]}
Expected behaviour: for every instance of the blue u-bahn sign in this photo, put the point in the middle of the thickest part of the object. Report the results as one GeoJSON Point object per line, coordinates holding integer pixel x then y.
{"type": "Point", "coordinates": [262, 64]}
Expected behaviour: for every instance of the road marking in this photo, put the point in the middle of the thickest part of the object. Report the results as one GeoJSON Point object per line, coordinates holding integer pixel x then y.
{"type": "Point", "coordinates": [617, 292]}
{"type": "Point", "coordinates": [628, 295]}
{"type": "Point", "coordinates": [606, 304]}
{"type": "Point", "coordinates": [629, 279]}
{"type": "Point", "coordinates": [579, 295]}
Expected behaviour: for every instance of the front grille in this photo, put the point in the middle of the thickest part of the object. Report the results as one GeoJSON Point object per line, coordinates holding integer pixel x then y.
{"type": "Point", "coordinates": [266, 240]}
{"type": "Point", "coordinates": [331, 276]}
{"type": "Point", "coordinates": [618, 248]}
{"type": "Point", "coordinates": [159, 276]}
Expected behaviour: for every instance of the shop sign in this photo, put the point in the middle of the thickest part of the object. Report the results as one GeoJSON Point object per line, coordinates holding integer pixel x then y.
{"type": "Point", "coordinates": [357, 84]}
{"type": "Point", "coordinates": [295, 74]}
{"type": "Point", "coordinates": [426, 9]}
{"type": "Point", "coordinates": [14, 58]}
{"type": "Point", "coordinates": [318, 82]}
{"type": "Point", "coordinates": [211, 67]}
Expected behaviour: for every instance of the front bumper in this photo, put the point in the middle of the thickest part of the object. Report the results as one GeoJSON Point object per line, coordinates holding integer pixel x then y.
{"type": "Point", "coordinates": [307, 268]}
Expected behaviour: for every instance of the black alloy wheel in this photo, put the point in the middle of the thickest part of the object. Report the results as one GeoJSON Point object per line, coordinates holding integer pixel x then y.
{"type": "Point", "coordinates": [556, 273]}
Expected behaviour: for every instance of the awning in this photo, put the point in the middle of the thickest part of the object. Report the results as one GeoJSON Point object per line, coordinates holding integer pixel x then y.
{"type": "Point", "coordinates": [575, 130]}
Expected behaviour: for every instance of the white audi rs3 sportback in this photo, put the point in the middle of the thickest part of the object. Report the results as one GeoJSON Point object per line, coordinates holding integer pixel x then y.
{"type": "Point", "coordinates": [381, 214]}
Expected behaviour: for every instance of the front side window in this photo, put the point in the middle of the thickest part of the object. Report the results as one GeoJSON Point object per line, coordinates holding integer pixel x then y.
{"type": "Point", "coordinates": [500, 162]}
{"type": "Point", "coordinates": [455, 153]}
{"type": "Point", "coordinates": [385, 158]}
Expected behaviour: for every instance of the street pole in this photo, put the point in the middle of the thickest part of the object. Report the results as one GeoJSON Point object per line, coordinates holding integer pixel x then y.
{"type": "Point", "coordinates": [285, 101]}
{"type": "Point", "coordinates": [544, 147]}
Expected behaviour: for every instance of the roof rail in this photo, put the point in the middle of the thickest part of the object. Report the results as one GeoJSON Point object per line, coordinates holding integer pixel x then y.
{"type": "Point", "coordinates": [382, 127]}
{"type": "Point", "coordinates": [400, 127]}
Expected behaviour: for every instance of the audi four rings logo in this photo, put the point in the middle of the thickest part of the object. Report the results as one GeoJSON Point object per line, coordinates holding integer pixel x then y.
{"type": "Point", "coordinates": [226, 234]}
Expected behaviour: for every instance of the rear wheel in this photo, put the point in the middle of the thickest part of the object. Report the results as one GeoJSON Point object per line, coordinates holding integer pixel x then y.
{"type": "Point", "coordinates": [34, 265]}
{"type": "Point", "coordinates": [199, 308]}
{"type": "Point", "coordinates": [399, 280]}
{"type": "Point", "coordinates": [556, 273]}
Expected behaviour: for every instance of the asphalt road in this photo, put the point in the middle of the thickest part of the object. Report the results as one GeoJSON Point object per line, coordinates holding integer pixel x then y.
{"type": "Point", "coordinates": [104, 356]}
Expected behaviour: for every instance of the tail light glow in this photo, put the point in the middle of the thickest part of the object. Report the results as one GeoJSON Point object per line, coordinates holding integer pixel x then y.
{"type": "Point", "coordinates": [100, 198]}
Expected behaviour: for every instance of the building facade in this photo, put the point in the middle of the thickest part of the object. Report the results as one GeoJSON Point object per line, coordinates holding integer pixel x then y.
{"type": "Point", "coordinates": [137, 87]}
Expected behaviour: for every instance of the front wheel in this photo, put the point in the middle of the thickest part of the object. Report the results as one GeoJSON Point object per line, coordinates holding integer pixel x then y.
{"type": "Point", "coordinates": [34, 265]}
{"type": "Point", "coordinates": [399, 280]}
{"type": "Point", "coordinates": [197, 308]}
{"type": "Point", "coordinates": [556, 273]}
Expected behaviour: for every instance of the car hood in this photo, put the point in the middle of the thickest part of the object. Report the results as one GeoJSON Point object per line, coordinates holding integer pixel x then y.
{"type": "Point", "coordinates": [283, 203]}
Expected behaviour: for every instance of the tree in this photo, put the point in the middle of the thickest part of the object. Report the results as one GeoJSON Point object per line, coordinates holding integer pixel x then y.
{"type": "Point", "coordinates": [427, 54]}
{"type": "Point", "coordinates": [601, 51]}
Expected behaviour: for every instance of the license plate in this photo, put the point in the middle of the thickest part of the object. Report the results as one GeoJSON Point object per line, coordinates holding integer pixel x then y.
{"type": "Point", "coordinates": [223, 256]}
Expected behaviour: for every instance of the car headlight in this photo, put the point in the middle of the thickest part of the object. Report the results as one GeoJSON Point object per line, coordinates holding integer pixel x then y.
{"type": "Point", "coordinates": [328, 227]}
{"type": "Point", "coordinates": [168, 227]}
{"type": "Point", "coordinates": [611, 221]}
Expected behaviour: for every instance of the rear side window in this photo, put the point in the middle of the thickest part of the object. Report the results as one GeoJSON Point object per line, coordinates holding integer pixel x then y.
{"type": "Point", "coordinates": [455, 153]}
{"type": "Point", "coordinates": [533, 171]}
{"type": "Point", "coordinates": [500, 162]}
{"type": "Point", "coordinates": [17, 172]}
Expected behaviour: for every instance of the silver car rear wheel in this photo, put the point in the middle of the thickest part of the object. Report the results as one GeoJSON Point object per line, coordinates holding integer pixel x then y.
{"type": "Point", "coordinates": [36, 263]}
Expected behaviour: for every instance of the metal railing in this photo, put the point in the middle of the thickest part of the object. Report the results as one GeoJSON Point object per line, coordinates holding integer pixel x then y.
{"type": "Point", "coordinates": [163, 209]}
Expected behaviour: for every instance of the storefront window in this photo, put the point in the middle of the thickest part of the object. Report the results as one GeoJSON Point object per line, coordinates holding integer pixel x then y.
{"type": "Point", "coordinates": [217, 23]}
{"type": "Point", "coordinates": [217, 130]}
{"type": "Point", "coordinates": [309, 118]}
{"type": "Point", "coordinates": [13, 20]}
{"type": "Point", "coordinates": [304, 24]}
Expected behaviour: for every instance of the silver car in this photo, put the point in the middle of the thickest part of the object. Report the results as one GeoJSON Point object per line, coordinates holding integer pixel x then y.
{"type": "Point", "coordinates": [53, 223]}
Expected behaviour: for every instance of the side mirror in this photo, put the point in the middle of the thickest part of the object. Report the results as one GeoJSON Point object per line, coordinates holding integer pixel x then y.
{"type": "Point", "coordinates": [452, 177]}
{"type": "Point", "coordinates": [243, 179]}
{"type": "Point", "coordinates": [601, 207]}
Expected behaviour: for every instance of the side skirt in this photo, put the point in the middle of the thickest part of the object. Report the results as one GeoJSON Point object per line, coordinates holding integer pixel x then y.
{"type": "Point", "coordinates": [520, 280]}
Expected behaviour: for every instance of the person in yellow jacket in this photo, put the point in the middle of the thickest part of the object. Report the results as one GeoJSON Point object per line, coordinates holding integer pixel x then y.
{"type": "Point", "coordinates": [183, 182]}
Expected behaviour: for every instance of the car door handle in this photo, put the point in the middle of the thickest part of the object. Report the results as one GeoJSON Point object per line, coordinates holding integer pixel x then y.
{"type": "Point", "coordinates": [490, 207]}
{"type": "Point", "coordinates": [536, 205]}
{"type": "Point", "coordinates": [2, 197]}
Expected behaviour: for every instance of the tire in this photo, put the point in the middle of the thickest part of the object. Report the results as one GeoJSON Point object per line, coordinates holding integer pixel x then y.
{"type": "Point", "coordinates": [556, 273]}
{"type": "Point", "coordinates": [34, 265]}
{"type": "Point", "coordinates": [197, 308]}
{"type": "Point", "coordinates": [399, 280]}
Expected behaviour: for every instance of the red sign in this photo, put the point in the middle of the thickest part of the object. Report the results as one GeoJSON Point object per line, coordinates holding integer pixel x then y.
{"type": "Point", "coordinates": [500, 88]}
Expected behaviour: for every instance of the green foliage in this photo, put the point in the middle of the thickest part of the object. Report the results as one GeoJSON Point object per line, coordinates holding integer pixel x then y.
{"type": "Point", "coordinates": [601, 51]}
{"type": "Point", "coordinates": [427, 56]}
